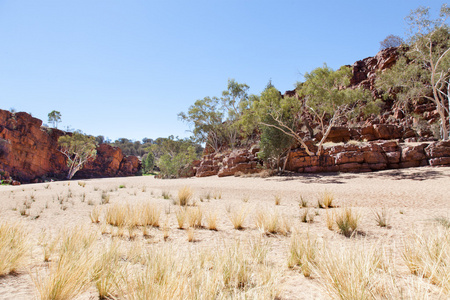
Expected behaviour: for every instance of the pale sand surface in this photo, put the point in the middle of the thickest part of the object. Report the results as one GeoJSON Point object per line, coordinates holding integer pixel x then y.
{"type": "Point", "coordinates": [413, 197]}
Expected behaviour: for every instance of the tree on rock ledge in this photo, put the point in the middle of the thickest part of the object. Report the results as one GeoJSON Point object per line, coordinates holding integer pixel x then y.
{"type": "Point", "coordinates": [78, 148]}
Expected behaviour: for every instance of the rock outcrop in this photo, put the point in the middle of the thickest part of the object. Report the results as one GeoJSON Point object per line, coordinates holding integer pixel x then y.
{"type": "Point", "coordinates": [226, 164]}
{"type": "Point", "coordinates": [29, 152]}
{"type": "Point", "coordinates": [370, 156]}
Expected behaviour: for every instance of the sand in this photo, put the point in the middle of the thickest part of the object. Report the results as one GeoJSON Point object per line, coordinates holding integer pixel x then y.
{"type": "Point", "coordinates": [413, 198]}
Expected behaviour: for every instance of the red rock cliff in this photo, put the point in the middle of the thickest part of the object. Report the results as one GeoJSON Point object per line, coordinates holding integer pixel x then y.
{"type": "Point", "coordinates": [29, 152]}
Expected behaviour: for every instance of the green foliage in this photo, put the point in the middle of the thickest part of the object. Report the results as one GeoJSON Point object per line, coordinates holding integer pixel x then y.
{"type": "Point", "coordinates": [174, 155]}
{"type": "Point", "coordinates": [78, 148]}
{"type": "Point", "coordinates": [55, 118]}
{"type": "Point", "coordinates": [273, 110]}
{"type": "Point", "coordinates": [148, 163]}
{"type": "Point", "coordinates": [327, 98]}
{"type": "Point", "coordinates": [219, 121]}
{"type": "Point", "coordinates": [207, 120]}
{"type": "Point", "coordinates": [423, 69]}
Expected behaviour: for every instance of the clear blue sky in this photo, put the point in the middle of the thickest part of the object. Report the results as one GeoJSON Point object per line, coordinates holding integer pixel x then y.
{"type": "Point", "coordinates": [127, 68]}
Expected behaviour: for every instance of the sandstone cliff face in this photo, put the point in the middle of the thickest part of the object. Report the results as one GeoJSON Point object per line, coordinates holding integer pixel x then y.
{"type": "Point", "coordinates": [29, 152]}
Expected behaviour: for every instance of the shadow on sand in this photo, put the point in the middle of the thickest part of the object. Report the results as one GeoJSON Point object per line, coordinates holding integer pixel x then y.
{"type": "Point", "coordinates": [342, 178]}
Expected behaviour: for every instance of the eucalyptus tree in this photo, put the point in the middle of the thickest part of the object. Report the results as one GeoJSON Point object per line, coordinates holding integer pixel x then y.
{"type": "Point", "coordinates": [423, 68]}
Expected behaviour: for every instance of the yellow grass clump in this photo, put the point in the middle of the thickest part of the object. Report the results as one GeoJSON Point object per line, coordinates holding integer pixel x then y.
{"type": "Point", "coordinates": [70, 274]}
{"type": "Point", "coordinates": [347, 221]}
{"type": "Point", "coordinates": [13, 247]}
{"type": "Point", "coordinates": [237, 218]}
{"type": "Point", "coordinates": [325, 199]}
{"type": "Point", "coordinates": [185, 196]}
{"type": "Point", "coordinates": [272, 223]}
{"type": "Point", "coordinates": [351, 272]}
{"type": "Point", "coordinates": [427, 254]}
{"type": "Point", "coordinates": [303, 253]}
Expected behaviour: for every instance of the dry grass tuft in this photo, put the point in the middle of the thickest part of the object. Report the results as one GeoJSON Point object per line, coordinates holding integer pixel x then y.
{"type": "Point", "coordinates": [149, 214]}
{"type": "Point", "coordinates": [382, 218]}
{"type": "Point", "coordinates": [194, 217]}
{"type": "Point", "coordinates": [277, 199]}
{"type": "Point", "coordinates": [325, 200]}
{"type": "Point", "coordinates": [70, 274]}
{"type": "Point", "coordinates": [303, 253]}
{"type": "Point", "coordinates": [107, 271]}
{"type": "Point", "coordinates": [347, 221]}
{"type": "Point", "coordinates": [95, 214]}
{"type": "Point", "coordinates": [13, 247]}
{"type": "Point", "coordinates": [117, 215]}
{"type": "Point", "coordinates": [350, 273]}
{"type": "Point", "coordinates": [184, 196]}
{"type": "Point", "coordinates": [181, 217]}
{"type": "Point", "coordinates": [428, 255]}
{"type": "Point", "coordinates": [272, 223]}
{"type": "Point", "coordinates": [190, 234]}
{"type": "Point", "coordinates": [237, 218]}
{"type": "Point", "coordinates": [211, 220]}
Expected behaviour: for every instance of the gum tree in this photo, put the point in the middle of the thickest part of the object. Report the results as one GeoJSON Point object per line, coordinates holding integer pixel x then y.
{"type": "Point", "coordinates": [323, 97]}
{"type": "Point", "coordinates": [423, 69]}
{"type": "Point", "coordinates": [79, 149]}
{"type": "Point", "coordinates": [54, 117]}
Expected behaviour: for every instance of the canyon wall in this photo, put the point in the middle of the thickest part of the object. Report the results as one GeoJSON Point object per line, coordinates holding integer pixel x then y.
{"type": "Point", "coordinates": [29, 153]}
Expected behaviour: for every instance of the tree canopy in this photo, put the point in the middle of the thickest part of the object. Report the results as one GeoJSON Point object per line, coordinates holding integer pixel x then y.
{"type": "Point", "coordinates": [78, 148]}
{"type": "Point", "coordinates": [423, 69]}
{"type": "Point", "coordinates": [54, 117]}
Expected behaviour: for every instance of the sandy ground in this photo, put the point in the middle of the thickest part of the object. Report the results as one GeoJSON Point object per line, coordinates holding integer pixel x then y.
{"type": "Point", "coordinates": [413, 198]}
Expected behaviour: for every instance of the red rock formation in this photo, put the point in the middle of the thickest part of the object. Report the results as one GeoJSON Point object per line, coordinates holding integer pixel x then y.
{"type": "Point", "coordinates": [29, 152]}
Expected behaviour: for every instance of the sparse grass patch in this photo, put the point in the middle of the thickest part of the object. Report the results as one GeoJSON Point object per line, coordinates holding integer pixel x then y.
{"type": "Point", "coordinates": [190, 234]}
{"type": "Point", "coordinates": [325, 200]}
{"type": "Point", "coordinates": [194, 217]}
{"type": "Point", "coordinates": [70, 274]}
{"type": "Point", "coordinates": [382, 218]}
{"type": "Point", "coordinates": [105, 198]}
{"type": "Point", "coordinates": [106, 272]}
{"type": "Point", "coordinates": [303, 253]}
{"type": "Point", "coordinates": [165, 194]}
{"type": "Point", "coordinates": [306, 216]}
{"type": "Point", "coordinates": [150, 214]}
{"type": "Point", "coordinates": [82, 183]}
{"type": "Point", "coordinates": [347, 221]}
{"type": "Point", "coordinates": [351, 272]}
{"type": "Point", "coordinates": [271, 223]}
{"type": "Point", "coordinates": [303, 202]}
{"type": "Point", "coordinates": [443, 221]}
{"type": "Point", "coordinates": [13, 247]}
{"type": "Point", "coordinates": [180, 213]}
{"type": "Point", "coordinates": [211, 220]}
{"type": "Point", "coordinates": [277, 199]}
{"type": "Point", "coordinates": [427, 254]}
{"type": "Point", "coordinates": [122, 186]}
{"type": "Point", "coordinates": [237, 218]}
{"type": "Point", "coordinates": [95, 214]}
{"type": "Point", "coordinates": [184, 196]}
{"type": "Point", "coordinates": [116, 215]}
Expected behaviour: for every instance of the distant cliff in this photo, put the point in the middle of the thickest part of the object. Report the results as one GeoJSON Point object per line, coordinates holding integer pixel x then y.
{"type": "Point", "coordinates": [29, 152]}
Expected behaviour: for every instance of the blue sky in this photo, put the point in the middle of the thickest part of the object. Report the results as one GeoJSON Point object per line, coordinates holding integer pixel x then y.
{"type": "Point", "coordinates": [127, 68]}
